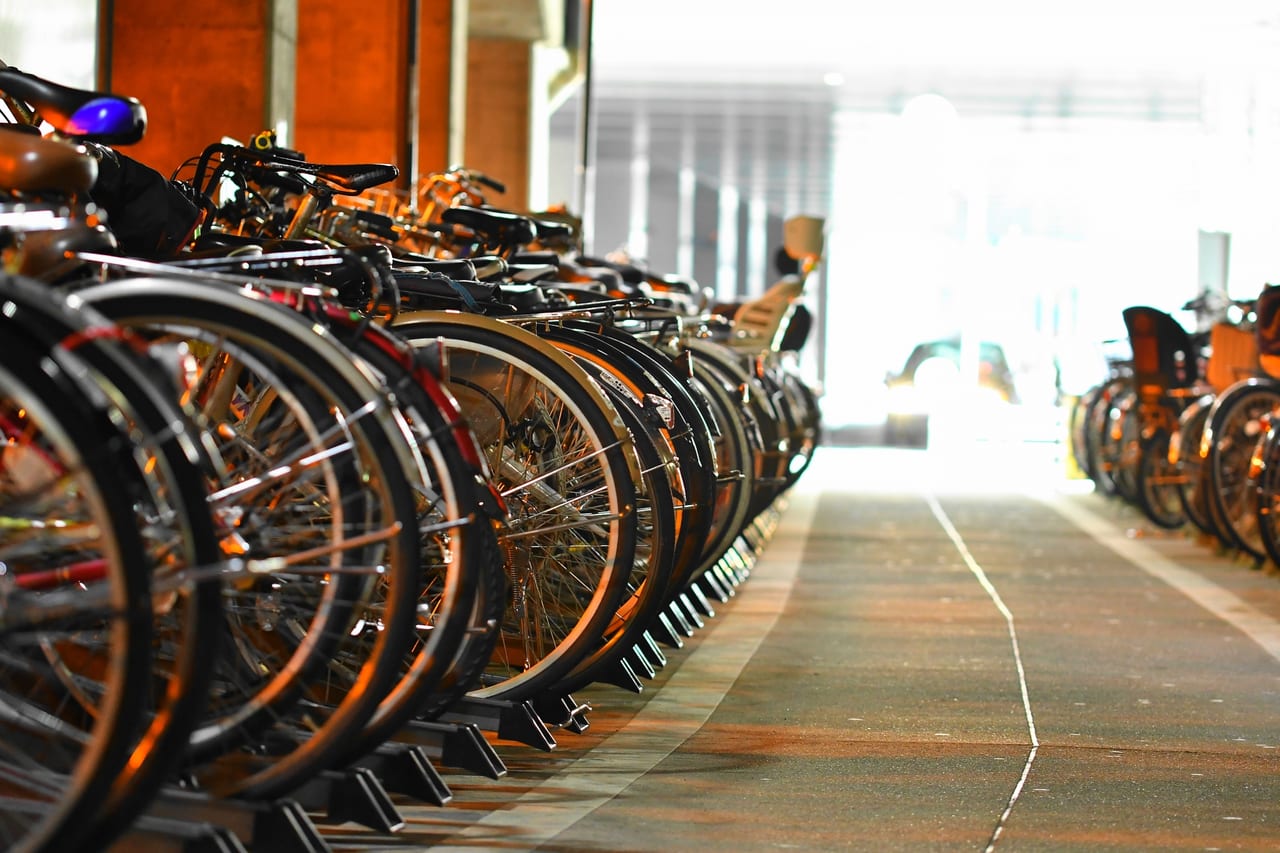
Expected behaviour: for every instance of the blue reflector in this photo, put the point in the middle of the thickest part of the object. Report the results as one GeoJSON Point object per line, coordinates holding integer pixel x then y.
{"type": "Point", "coordinates": [102, 117]}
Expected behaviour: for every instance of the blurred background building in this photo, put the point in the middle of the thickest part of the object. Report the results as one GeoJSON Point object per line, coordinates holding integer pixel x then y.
{"type": "Point", "coordinates": [1008, 172]}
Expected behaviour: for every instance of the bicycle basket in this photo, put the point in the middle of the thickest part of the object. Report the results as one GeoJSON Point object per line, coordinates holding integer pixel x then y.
{"type": "Point", "coordinates": [1233, 355]}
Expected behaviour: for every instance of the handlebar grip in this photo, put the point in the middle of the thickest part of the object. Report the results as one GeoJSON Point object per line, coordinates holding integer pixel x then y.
{"type": "Point", "coordinates": [491, 183]}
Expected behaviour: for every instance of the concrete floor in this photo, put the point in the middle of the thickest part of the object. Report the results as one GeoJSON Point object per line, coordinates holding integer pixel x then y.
{"type": "Point", "coordinates": [953, 649]}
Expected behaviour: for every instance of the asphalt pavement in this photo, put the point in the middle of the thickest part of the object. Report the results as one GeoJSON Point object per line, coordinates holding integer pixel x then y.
{"type": "Point", "coordinates": [942, 650]}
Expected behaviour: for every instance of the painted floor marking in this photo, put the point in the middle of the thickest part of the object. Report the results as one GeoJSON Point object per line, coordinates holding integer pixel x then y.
{"type": "Point", "coordinates": [976, 569]}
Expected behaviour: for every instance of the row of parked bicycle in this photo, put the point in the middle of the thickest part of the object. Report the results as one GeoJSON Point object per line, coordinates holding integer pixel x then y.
{"type": "Point", "coordinates": [1185, 426]}
{"type": "Point", "coordinates": [294, 463]}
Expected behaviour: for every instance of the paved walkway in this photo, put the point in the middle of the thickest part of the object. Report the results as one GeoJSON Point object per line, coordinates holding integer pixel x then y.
{"type": "Point", "coordinates": [936, 652]}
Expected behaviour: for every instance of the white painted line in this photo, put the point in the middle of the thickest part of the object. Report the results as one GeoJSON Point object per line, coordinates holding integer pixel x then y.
{"type": "Point", "coordinates": [1256, 625]}
{"type": "Point", "coordinates": [975, 568]}
{"type": "Point", "coordinates": [675, 713]}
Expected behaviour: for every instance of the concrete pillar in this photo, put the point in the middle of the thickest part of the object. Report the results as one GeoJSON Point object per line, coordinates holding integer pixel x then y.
{"type": "Point", "coordinates": [386, 85]}
{"type": "Point", "coordinates": [773, 242]}
{"type": "Point", "coordinates": [613, 201]}
{"type": "Point", "coordinates": [499, 88]}
{"type": "Point", "coordinates": [201, 77]}
{"type": "Point", "coordinates": [352, 82]}
{"type": "Point", "coordinates": [442, 84]}
{"type": "Point", "coordinates": [706, 224]}
{"type": "Point", "coordinates": [664, 217]}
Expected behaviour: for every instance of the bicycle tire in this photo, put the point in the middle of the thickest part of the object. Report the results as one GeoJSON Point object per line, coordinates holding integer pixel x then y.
{"type": "Point", "coordinates": [1193, 487]}
{"type": "Point", "coordinates": [461, 562]}
{"type": "Point", "coordinates": [648, 586]}
{"type": "Point", "coordinates": [1232, 435]}
{"type": "Point", "coordinates": [532, 408]}
{"type": "Point", "coordinates": [369, 663]}
{"type": "Point", "coordinates": [1268, 500]}
{"type": "Point", "coordinates": [178, 529]}
{"type": "Point", "coordinates": [68, 424]}
{"type": "Point", "coordinates": [1157, 483]}
{"type": "Point", "coordinates": [691, 436]}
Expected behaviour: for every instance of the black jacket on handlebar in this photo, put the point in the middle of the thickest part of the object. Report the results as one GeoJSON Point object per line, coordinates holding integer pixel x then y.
{"type": "Point", "coordinates": [150, 216]}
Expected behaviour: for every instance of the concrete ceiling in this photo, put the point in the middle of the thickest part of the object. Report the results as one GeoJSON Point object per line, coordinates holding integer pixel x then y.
{"type": "Point", "coordinates": [766, 84]}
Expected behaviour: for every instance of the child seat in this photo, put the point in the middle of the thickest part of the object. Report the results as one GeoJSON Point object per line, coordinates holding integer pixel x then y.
{"type": "Point", "coordinates": [1163, 354]}
{"type": "Point", "coordinates": [1267, 329]}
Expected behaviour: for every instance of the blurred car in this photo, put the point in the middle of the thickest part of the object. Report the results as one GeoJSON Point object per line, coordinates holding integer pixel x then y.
{"type": "Point", "coordinates": [931, 382]}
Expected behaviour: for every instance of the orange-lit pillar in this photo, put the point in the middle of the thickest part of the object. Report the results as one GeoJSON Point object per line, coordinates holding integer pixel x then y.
{"type": "Point", "coordinates": [375, 82]}
{"type": "Point", "coordinates": [498, 114]}
{"type": "Point", "coordinates": [352, 81]}
{"type": "Point", "coordinates": [442, 83]}
{"type": "Point", "coordinates": [200, 76]}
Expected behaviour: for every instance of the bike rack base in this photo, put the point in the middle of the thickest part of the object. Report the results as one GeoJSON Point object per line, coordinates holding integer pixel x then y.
{"type": "Point", "coordinates": [561, 711]}
{"type": "Point", "coordinates": [164, 835]}
{"type": "Point", "coordinates": [714, 586]}
{"type": "Point", "coordinates": [699, 600]}
{"type": "Point", "coordinates": [637, 657]}
{"type": "Point", "coordinates": [620, 673]}
{"type": "Point", "coordinates": [406, 770]}
{"type": "Point", "coordinates": [651, 650]}
{"type": "Point", "coordinates": [276, 826]}
{"type": "Point", "coordinates": [458, 745]}
{"type": "Point", "coordinates": [681, 622]}
{"type": "Point", "coordinates": [664, 631]}
{"type": "Point", "coordinates": [354, 795]}
{"type": "Point", "coordinates": [515, 721]}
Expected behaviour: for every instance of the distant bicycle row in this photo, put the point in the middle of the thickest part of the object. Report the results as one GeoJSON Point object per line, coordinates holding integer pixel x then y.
{"type": "Point", "coordinates": [295, 464]}
{"type": "Point", "coordinates": [1186, 425]}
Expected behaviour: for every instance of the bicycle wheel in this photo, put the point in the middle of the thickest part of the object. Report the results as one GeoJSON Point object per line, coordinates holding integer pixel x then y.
{"type": "Point", "coordinates": [1268, 488]}
{"type": "Point", "coordinates": [1098, 436]}
{"type": "Point", "coordinates": [1122, 454]}
{"type": "Point", "coordinates": [1158, 482]}
{"type": "Point", "coordinates": [648, 584]}
{"type": "Point", "coordinates": [182, 549]}
{"type": "Point", "coordinates": [682, 418]}
{"type": "Point", "coordinates": [1078, 424]}
{"type": "Point", "coordinates": [1237, 423]}
{"type": "Point", "coordinates": [1193, 475]}
{"type": "Point", "coordinates": [804, 400]}
{"type": "Point", "coordinates": [559, 453]}
{"type": "Point", "coordinates": [772, 455]}
{"type": "Point", "coordinates": [77, 619]}
{"type": "Point", "coordinates": [317, 496]}
{"type": "Point", "coordinates": [461, 564]}
{"type": "Point", "coordinates": [737, 446]}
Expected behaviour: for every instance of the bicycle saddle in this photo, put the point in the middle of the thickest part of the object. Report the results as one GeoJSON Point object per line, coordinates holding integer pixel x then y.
{"type": "Point", "coordinates": [459, 268]}
{"type": "Point", "coordinates": [507, 229]}
{"type": "Point", "coordinates": [35, 164]}
{"type": "Point", "coordinates": [79, 113]}
{"type": "Point", "coordinates": [554, 232]}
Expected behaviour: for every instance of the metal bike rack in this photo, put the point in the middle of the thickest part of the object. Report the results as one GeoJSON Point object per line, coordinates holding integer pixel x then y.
{"type": "Point", "coordinates": [664, 631]}
{"type": "Point", "coordinates": [354, 795]}
{"type": "Point", "coordinates": [405, 769]}
{"type": "Point", "coordinates": [459, 745]}
{"type": "Point", "coordinates": [275, 826]}
{"type": "Point", "coordinates": [514, 721]}
{"type": "Point", "coordinates": [561, 711]}
{"type": "Point", "coordinates": [164, 835]}
{"type": "Point", "coordinates": [622, 673]}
